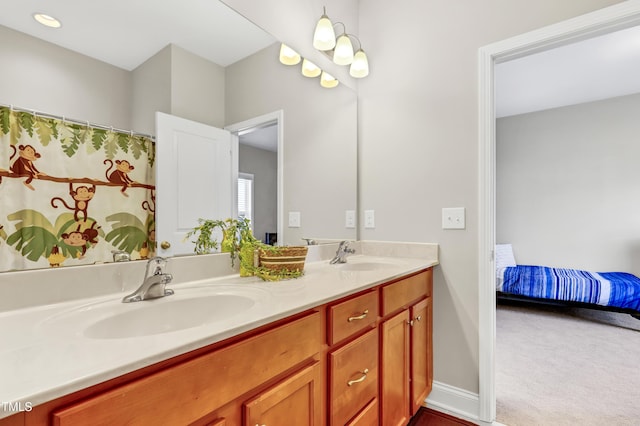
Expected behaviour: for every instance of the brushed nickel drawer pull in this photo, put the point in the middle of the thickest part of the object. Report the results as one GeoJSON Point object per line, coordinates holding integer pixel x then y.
{"type": "Point", "coordinates": [361, 379]}
{"type": "Point", "coordinates": [359, 317]}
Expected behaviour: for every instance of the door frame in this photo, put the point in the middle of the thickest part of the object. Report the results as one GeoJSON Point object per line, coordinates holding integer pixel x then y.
{"type": "Point", "coordinates": [264, 120]}
{"type": "Point", "coordinates": [606, 20]}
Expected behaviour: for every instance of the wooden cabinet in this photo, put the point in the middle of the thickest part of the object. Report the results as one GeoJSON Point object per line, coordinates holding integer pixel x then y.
{"type": "Point", "coordinates": [296, 400]}
{"type": "Point", "coordinates": [190, 390]}
{"type": "Point", "coordinates": [406, 350]}
{"type": "Point", "coordinates": [363, 360]}
{"type": "Point", "coordinates": [346, 318]}
{"type": "Point", "coordinates": [421, 360]}
{"type": "Point", "coordinates": [353, 377]}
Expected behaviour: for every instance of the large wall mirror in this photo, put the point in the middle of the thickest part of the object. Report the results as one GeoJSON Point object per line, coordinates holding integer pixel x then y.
{"type": "Point", "coordinates": [318, 158]}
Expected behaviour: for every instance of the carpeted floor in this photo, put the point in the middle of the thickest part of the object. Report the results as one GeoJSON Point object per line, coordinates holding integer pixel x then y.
{"type": "Point", "coordinates": [559, 366]}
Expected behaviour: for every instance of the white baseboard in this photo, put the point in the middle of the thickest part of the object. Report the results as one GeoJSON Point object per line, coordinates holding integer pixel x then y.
{"type": "Point", "coordinates": [456, 402]}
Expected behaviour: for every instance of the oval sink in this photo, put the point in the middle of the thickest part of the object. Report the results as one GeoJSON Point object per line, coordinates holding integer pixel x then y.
{"type": "Point", "coordinates": [165, 315]}
{"type": "Point", "coordinates": [187, 308]}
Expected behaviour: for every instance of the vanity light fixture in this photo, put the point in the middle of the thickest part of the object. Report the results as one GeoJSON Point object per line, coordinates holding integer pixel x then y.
{"type": "Point", "coordinates": [343, 53]}
{"type": "Point", "coordinates": [309, 69]}
{"type": "Point", "coordinates": [341, 50]}
{"type": "Point", "coordinates": [288, 56]}
{"type": "Point", "coordinates": [328, 81]}
{"type": "Point", "coordinates": [324, 37]}
{"type": "Point", "coordinates": [47, 20]}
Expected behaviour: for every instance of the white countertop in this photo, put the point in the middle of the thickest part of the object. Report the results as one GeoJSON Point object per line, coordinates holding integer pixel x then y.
{"type": "Point", "coordinates": [44, 353]}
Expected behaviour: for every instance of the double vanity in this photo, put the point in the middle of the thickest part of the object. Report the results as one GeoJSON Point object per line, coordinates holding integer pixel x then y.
{"type": "Point", "coordinates": [344, 344]}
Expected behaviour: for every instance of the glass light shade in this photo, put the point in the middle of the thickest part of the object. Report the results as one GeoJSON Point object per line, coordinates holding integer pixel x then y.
{"type": "Point", "coordinates": [343, 54]}
{"type": "Point", "coordinates": [288, 56]}
{"type": "Point", "coordinates": [47, 20]}
{"type": "Point", "coordinates": [328, 81]}
{"type": "Point", "coordinates": [309, 69]}
{"type": "Point", "coordinates": [360, 65]}
{"type": "Point", "coordinates": [324, 37]}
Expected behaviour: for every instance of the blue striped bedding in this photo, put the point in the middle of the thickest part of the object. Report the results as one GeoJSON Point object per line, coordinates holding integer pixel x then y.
{"type": "Point", "coordinates": [614, 289]}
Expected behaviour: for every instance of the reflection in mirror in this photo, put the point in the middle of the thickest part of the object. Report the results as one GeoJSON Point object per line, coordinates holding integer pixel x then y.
{"type": "Point", "coordinates": [317, 167]}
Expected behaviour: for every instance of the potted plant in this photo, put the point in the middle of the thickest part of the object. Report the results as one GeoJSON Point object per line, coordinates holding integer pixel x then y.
{"type": "Point", "coordinates": [239, 242]}
{"type": "Point", "coordinates": [256, 258]}
{"type": "Point", "coordinates": [205, 241]}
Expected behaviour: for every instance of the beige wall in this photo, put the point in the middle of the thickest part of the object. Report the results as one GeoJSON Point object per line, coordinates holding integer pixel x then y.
{"type": "Point", "coordinates": [319, 140]}
{"type": "Point", "coordinates": [42, 76]}
{"type": "Point", "coordinates": [197, 88]}
{"type": "Point", "coordinates": [263, 165]}
{"type": "Point", "coordinates": [151, 91]}
{"type": "Point", "coordinates": [568, 185]}
{"type": "Point", "coordinates": [418, 139]}
{"type": "Point", "coordinates": [423, 114]}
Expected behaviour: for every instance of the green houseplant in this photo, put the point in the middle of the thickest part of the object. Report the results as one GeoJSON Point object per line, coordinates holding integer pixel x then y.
{"type": "Point", "coordinates": [239, 242]}
{"type": "Point", "coordinates": [205, 241]}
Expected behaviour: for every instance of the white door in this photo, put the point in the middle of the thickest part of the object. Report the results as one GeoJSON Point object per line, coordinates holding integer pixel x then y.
{"type": "Point", "coordinates": [194, 177]}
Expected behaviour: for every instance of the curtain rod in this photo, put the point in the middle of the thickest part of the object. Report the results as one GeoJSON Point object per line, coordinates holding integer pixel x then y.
{"type": "Point", "coordinates": [74, 121]}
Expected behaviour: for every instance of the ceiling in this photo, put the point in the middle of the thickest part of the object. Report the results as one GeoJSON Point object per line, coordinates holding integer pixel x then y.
{"type": "Point", "coordinates": [594, 69]}
{"type": "Point", "coordinates": [126, 33]}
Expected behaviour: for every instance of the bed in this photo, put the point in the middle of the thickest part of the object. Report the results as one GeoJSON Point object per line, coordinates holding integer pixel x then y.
{"type": "Point", "coordinates": [613, 291]}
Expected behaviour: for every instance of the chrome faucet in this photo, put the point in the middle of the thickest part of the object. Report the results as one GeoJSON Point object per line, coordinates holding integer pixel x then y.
{"type": "Point", "coordinates": [153, 285]}
{"type": "Point", "coordinates": [341, 253]}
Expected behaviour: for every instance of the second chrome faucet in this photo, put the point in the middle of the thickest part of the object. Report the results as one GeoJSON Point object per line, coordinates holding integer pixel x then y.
{"type": "Point", "coordinates": [153, 285]}
{"type": "Point", "coordinates": [341, 253]}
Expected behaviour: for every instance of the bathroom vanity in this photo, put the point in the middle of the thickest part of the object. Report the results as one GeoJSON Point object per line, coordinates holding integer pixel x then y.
{"type": "Point", "coordinates": [345, 344]}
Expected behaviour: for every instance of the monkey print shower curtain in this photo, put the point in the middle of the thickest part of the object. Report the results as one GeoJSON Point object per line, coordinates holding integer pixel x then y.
{"type": "Point", "coordinates": [71, 194]}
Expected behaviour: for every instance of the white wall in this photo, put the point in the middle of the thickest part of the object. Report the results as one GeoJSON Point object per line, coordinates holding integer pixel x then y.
{"type": "Point", "coordinates": [263, 165]}
{"type": "Point", "coordinates": [568, 186]}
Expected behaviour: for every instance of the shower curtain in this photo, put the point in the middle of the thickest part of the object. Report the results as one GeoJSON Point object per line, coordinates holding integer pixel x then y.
{"type": "Point", "coordinates": [70, 194]}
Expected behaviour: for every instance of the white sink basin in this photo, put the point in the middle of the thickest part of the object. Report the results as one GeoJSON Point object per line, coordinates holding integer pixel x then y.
{"type": "Point", "coordinates": [187, 308]}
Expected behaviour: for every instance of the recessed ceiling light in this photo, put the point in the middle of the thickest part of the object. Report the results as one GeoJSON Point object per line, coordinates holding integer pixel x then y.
{"type": "Point", "coordinates": [47, 20]}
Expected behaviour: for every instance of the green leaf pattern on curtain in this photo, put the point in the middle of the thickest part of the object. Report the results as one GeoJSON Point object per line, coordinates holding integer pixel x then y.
{"type": "Point", "coordinates": [72, 193]}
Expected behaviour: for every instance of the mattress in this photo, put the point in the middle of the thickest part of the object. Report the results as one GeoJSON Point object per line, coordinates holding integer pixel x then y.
{"type": "Point", "coordinates": [613, 289]}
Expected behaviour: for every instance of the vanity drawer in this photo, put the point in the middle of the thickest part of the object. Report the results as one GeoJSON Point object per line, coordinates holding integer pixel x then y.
{"type": "Point", "coordinates": [401, 294]}
{"type": "Point", "coordinates": [351, 316]}
{"type": "Point", "coordinates": [353, 377]}
{"type": "Point", "coordinates": [186, 392]}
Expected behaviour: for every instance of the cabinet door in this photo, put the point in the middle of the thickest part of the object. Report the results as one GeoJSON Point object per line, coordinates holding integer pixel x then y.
{"type": "Point", "coordinates": [294, 401]}
{"type": "Point", "coordinates": [395, 370]}
{"type": "Point", "coordinates": [421, 352]}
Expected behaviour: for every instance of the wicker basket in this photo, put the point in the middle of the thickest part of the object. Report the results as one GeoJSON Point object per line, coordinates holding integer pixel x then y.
{"type": "Point", "coordinates": [284, 259]}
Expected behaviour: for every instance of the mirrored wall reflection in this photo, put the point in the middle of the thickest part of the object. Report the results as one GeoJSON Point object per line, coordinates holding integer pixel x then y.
{"type": "Point", "coordinates": [318, 166]}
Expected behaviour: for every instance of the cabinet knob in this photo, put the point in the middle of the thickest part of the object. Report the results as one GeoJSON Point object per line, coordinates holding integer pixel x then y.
{"type": "Point", "coordinates": [359, 317]}
{"type": "Point", "coordinates": [419, 318]}
{"type": "Point", "coordinates": [410, 322]}
{"type": "Point", "coordinates": [165, 245]}
{"type": "Point", "coordinates": [361, 379]}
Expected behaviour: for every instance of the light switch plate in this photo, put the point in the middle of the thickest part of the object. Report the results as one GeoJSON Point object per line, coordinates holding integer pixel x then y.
{"type": "Point", "coordinates": [350, 219]}
{"type": "Point", "coordinates": [453, 218]}
{"type": "Point", "coordinates": [369, 219]}
{"type": "Point", "coordinates": [294, 219]}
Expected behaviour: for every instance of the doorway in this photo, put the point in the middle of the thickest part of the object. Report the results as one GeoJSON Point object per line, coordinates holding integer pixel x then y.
{"type": "Point", "coordinates": [596, 23]}
{"type": "Point", "coordinates": [259, 143]}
